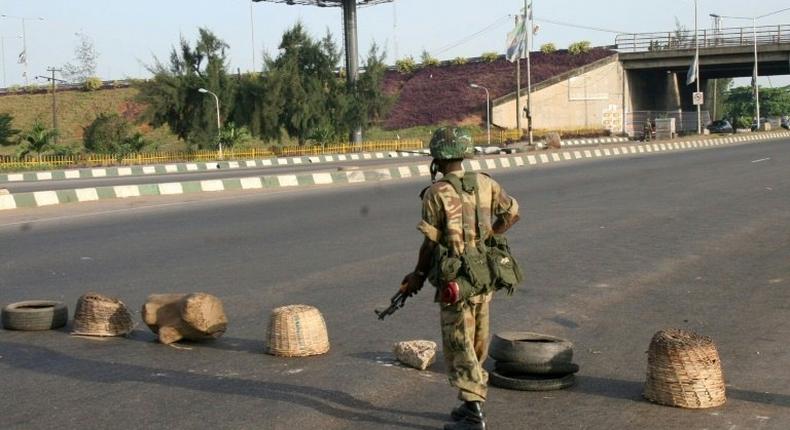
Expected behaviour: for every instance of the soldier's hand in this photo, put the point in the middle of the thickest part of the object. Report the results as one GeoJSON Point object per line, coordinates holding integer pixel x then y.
{"type": "Point", "coordinates": [412, 283]}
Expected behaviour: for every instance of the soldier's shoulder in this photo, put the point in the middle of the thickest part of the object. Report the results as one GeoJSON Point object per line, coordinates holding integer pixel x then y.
{"type": "Point", "coordinates": [437, 189]}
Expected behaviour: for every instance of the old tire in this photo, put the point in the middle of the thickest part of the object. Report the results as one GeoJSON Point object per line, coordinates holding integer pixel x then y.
{"type": "Point", "coordinates": [530, 348]}
{"type": "Point", "coordinates": [510, 367]}
{"type": "Point", "coordinates": [35, 315]}
{"type": "Point", "coordinates": [530, 382]}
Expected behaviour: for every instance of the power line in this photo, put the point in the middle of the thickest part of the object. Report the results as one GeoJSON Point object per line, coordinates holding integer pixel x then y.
{"type": "Point", "coordinates": [584, 27]}
{"type": "Point", "coordinates": [471, 36]}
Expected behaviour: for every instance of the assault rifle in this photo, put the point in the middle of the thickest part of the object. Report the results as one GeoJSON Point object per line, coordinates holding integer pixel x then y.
{"type": "Point", "coordinates": [396, 302]}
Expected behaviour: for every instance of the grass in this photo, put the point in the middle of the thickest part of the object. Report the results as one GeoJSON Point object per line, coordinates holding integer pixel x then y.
{"type": "Point", "coordinates": [76, 110]}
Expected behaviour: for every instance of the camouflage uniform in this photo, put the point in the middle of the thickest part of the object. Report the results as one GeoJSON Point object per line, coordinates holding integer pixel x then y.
{"type": "Point", "coordinates": [464, 324]}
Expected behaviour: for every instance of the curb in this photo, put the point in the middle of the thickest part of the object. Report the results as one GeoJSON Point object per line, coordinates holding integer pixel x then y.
{"type": "Point", "coordinates": [161, 169]}
{"type": "Point", "coordinates": [598, 141]}
{"type": "Point", "coordinates": [48, 198]}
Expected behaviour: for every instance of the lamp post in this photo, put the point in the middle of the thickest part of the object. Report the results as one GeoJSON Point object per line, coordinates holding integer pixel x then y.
{"type": "Point", "coordinates": [23, 56]}
{"type": "Point", "coordinates": [488, 110]}
{"type": "Point", "coordinates": [219, 124]}
{"type": "Point", "coordinates": [756, 72]}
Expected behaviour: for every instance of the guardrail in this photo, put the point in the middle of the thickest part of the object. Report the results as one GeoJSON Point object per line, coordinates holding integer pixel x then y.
{"type": "Point", "coordinates": [92, 160]}
{"type": "Point", "coordinates": [708, 38]}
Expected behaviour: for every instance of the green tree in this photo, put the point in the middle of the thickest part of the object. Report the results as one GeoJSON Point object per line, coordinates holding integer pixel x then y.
{"type": "Point", "coordinates": [305, 81]}
{"type": "Point", "coordinates": [106, 134]}
{"type": "Point", "coordinates": [39, 140]}
{"type": "Point", "coordinates": [369, 102]}
{"type": "Point", "coordinates": [7, 131]}
{"type": "Point", "coordinates": [172, 95]}
{"type": "Point", "coordinates": [739, 102]}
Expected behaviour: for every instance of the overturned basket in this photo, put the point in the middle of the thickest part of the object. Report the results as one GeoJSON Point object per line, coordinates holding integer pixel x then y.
{"type": "Point", "coordinates": [683, 370]}
{"type": "Point", "coordinates": [297, 331]}
{"type": "Point", "coordinates": [99, 315]}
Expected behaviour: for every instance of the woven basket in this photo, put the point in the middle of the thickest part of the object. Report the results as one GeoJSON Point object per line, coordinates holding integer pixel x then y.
{"type": "Point", "coordinates": [99, 315]}
{"type": "Point", "coordinates": [297, 331]}
{"type": "Point", "coordinates": [683, 370]}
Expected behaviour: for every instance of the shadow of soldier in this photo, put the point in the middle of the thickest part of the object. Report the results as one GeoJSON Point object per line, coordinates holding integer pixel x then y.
{"type": "Point", "coordinates": [333, 403]}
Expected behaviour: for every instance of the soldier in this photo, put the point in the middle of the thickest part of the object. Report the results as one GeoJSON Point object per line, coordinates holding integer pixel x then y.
{"type": "Point", "coordinates": [448, 223]}
{"type": "Point", "coordinates": [648, 129]}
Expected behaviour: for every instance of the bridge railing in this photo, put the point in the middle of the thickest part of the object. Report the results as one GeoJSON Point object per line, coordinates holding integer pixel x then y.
{"type": "Point", "coordinates": [708, 38]}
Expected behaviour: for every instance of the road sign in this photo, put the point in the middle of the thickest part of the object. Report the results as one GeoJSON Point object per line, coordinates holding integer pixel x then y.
{"type": "Point", "coordinates": [699, 98]}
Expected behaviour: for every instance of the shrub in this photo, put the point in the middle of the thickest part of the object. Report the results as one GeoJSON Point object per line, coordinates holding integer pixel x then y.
{"type": "Point", "coordinates": [406, 65]}
{"type": "Point", "coordinates": [489, 57]}
{"type": "Point", "coordinates": [428, 60]}
{"type": "Point", "coordinates": [106, 134]}
{"type": "Point", "coordinates": [743, 122]}
{"type": "Point", "coordinates": [460, 61]}
{"type": "Point", "coordinates": [92, 84]}
{"type": "Point", "coordinates": [581, 47]}
{"type": "Point", "coordinates": [548, 48]}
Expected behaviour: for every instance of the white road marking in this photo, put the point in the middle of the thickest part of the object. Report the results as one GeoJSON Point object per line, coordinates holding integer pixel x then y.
{"type": "Point", "coordinates": [761, 160]}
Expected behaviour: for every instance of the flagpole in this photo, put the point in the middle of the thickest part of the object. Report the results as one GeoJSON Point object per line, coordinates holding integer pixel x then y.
{"type": "Point", "coordinates": [696, 72]}
{"type": "Point", "coordinates": [529, 70]}
{"type": "Point", "coordinates": [518, 88]}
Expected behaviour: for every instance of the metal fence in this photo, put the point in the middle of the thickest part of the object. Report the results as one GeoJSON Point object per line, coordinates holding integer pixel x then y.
{"type": "Point", "coordinates": [498, 137]}
{"type": "Point", "coordinates": [92, 160]}
{"type": "Point", "coordinates": [685, 122]}
{"type": "Point", "coordinates": [708, 38]}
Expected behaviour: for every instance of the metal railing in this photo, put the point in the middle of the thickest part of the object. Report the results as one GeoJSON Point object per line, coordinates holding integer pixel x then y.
{"type": "Point", "coordinates": [708, 38]}
{"type": "Point", "coordinates": [92, 160]}
{"type": "Point", "coordinates": [685, 122]}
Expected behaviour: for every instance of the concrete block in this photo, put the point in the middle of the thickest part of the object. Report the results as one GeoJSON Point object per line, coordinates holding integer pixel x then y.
{"type": "Point", "coordinates": [4, 192]}
{"type": "Point", "coordinates": [418, 354]}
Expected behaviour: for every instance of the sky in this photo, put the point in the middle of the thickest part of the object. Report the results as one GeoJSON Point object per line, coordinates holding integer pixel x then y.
{"type": "Point", "coordinates": [128, 35]}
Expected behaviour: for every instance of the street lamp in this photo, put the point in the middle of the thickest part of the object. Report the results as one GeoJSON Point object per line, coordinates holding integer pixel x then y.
{"type": "Point", "coordinates": [488, 110]}
{"type": "Point", "coordinates": [754, 33]}
{"type": "Point", "coordinates": [23, 56]}
{"type": "Point", "coordinates": [219, 125]}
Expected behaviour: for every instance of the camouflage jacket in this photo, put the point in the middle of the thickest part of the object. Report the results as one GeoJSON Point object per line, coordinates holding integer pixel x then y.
{"type": "Point", "coordinates": [441, 212]}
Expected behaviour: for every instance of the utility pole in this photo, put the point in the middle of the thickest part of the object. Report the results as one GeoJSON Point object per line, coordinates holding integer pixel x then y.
{"type": "Point", "coordinates": [518, 89]}
{"type": "Point", "coordinates": [53, 82]}
{"type": "Point", "coordinates": [529, 12]}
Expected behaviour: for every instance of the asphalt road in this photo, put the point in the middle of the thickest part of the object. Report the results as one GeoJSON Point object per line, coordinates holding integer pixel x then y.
{"type": "Point", "coordinates": [614, 250]}
{"type": "Point", "coordinates": [64, 184]}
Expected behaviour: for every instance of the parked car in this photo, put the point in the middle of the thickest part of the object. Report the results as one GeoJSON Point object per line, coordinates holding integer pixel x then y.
{"type": "Point", "coordinates": [721, 126]}
{"type": "Point", "coordinates": [786, 122]}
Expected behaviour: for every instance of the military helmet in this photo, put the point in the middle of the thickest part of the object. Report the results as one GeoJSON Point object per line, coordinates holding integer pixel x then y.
{"type": "Point", "coordinates": [451, 143]}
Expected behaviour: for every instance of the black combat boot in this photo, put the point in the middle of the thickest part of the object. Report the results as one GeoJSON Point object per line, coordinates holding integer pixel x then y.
{"type": "Point", "coordinates": [468, 416]}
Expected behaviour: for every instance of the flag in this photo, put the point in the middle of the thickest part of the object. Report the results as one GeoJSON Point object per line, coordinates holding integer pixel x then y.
{"type": "Point", "coordinates": [516, 40]}
{"type": "Point", "coordinates": [22, 58]}
{"type": "Point", "coordinates": [691, 75]}
{"type": "Point", "coordinates": [529, 12]}
{"type": "Point", "coordinates": [535, 29]}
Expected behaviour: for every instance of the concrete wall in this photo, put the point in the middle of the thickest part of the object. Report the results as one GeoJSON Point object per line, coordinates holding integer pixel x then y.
{"type": "Point", "coordinates": [588, 99]}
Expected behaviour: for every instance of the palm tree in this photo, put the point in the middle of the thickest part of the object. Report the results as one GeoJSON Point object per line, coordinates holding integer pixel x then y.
{"type": "Point", "coordinates": [39, 139]}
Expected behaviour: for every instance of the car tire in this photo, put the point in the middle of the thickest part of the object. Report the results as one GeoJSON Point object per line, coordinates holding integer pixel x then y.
{"type": "Point", "coordinates": [35, 315]}
{"type": "Point", "coordinates": [562, 368]}
{"type": "Point", "coordinates": [530, 382]}
{"type": "Point", "coordinates": [530, 348]}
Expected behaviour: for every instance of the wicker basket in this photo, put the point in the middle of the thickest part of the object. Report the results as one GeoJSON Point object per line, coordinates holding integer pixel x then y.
{"type": "Point", "coordinates": [297, 331]}
{"type": "Point", "coordinates": [683, 370]}
{"type": "Point", "coordinates": [99, 315]}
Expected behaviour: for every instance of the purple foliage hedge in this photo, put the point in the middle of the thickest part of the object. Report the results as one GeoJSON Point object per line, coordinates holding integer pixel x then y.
{"type": "Point", "coordinates": [442, 94]}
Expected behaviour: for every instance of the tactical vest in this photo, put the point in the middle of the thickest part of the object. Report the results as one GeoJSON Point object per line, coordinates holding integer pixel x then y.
{"type": "Point", "coordinates": [486, 264]}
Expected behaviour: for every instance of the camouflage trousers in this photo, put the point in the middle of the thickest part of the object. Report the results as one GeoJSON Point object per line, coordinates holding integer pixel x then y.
{"type": "Point", "coordinates": [465, 346]}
